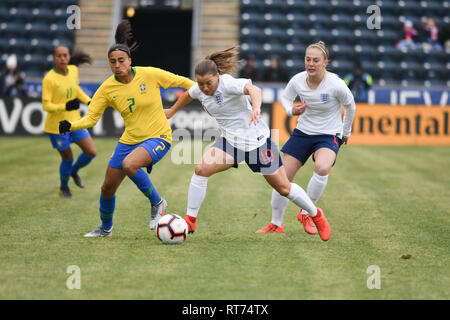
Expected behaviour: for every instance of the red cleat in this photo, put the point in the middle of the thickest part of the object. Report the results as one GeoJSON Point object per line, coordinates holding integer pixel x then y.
{"type": "Point", "coordinates": [322, 225]}
{"type": "Point", "coordinates": [269, 228]}
{"type": "Point", "coordinates": [190, 222]}
{"type": "Point", "coordinates": [307, 222]}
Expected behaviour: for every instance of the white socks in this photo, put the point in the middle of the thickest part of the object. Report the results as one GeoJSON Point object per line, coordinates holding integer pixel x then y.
{"type": "Point", "coordinates": [316, 186]}
{"type": "Point", "coordinates": [297, 195]}
{"type": "Point", "coordinates": [279, 204]}
{"type": "Point", "coordinates": [301, 199]}
{"type": "Point", "coordinates": [196, 194]}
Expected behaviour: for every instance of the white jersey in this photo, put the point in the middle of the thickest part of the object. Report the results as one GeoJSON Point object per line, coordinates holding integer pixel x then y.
{"type": "Point", "coordinates": [323, 113]}
{"type": "Point", "coordinates": [232, 110]}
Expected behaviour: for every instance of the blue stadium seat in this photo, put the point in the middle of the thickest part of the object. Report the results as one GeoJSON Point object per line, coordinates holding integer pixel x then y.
{"type": "Point", "coordinates": [341, 52]}
{"type": "Point", "coordinates": [320, 21]}
{"type": "Point", "coordinates": [255, 6]}
{"type": "Point", "coordinates": [341, 7]}
{"type": "Point", "coordinates": [275, 6]}
{"type": "Point", "coordinates": [12, 29]}
{"type": "Point", "coordinates": [275, 20]}
{"type": "Point", "coordinates": [320, 7]}
{"type": "Point", "coordinates": [252, 19]}
{"type": "Point", "coordinates": [20, 13]}
{"type": "Point", "coordinates": [252, 48]}
{"type": "Point", "coordinates": [343, 20]}
{"type": "Point", "coordinates": [41, 46]}
{"type": "Point", "coordinates": [43, 14]}
{"type": "Point", "coordinates": [38, 29]}
{"type": "Point", "coordinates": [295, 50]}
{"type": "Point", "coordinates": [297, 20]}
{"type": "Point", "coordinates": [252, 34]}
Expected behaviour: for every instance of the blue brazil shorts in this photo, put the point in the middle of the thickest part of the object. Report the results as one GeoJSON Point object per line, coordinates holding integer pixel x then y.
{"type": "Point", "coordinates": [156, 147]}
{"type": "Point", "coordinates": [301, 145]}
{"type": "Point", "coordinates": [266, 159]}
{"type": "Point", "coordinates": [62, 141]}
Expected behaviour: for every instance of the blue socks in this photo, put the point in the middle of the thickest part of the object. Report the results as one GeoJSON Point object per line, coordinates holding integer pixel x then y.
{"type": "Point", "coordinates": [65, 171]}
{"type": "Point", "coordinates": [144, 184]}
{"type": "Point", "coordinates": [107, 207]}
{"type": "Point", "coordinates": [66, 168]}
{"type": "Point", "coordinates": [82, 161]}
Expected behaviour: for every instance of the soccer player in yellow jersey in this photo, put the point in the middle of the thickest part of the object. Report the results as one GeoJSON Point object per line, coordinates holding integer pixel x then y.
{"type": "Point", "coordinates": [135, 93]}
{"type": "Point", "coordinates": [61, 96]}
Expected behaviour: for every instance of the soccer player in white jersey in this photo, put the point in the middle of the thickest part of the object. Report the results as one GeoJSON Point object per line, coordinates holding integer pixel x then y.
{"type": "Point", "coordinates": [236, 106]}
{"type": "Point", "coordinates": [320, 130]}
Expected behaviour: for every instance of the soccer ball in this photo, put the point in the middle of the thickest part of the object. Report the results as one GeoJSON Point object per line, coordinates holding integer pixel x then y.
{"type": "Point", "coordinates": [172, 229]}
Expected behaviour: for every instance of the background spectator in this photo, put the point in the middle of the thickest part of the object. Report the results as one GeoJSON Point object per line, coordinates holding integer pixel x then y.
{"type": "Point", "coordinates": [409, 36]}
{"type": "Point", "coordinates": [250, 71]}
{"type": "Point", "coordinates": [359, 82]}
{"type": "Point", "coordinates": [429, 34]}
{"type": "Point", "coordinates": [11, 83]}
{"type": "Point", "coordinates": [275, 73]}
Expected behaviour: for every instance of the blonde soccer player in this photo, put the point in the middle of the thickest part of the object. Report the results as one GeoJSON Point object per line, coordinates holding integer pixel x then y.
{"type": "Point", "coordinates": [61, 97]}
{"type": "Point", "coordinates": [320, 130]}
{"type": "Point", "coordinates": [135, 93]}
{"type": "Point", "coordinates": [236, 106]}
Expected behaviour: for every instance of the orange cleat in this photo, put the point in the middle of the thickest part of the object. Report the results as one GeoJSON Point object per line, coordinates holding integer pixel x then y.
{"type": "Point", "coordinates": [191, 223]}
{"type": "Point", "coordinates": [322, 225]}
{"type": "Point", "coordinates": [269, 228]}
{"type": "Point", "coordinates": [307, 222]}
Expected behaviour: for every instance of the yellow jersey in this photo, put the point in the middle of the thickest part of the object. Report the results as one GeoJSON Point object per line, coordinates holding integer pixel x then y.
{"type": "Point", "coordinates": [139, 103]}
{"type": "Point", "coordinates": [57, 90]}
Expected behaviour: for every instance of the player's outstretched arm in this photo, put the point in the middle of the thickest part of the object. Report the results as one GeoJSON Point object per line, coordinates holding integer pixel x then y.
{"type": "Point", "coordinates": [180, 103]}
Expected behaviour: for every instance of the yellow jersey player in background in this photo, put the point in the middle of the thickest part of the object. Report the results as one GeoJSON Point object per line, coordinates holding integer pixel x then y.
{"type": "Point", "coordinates": [135, 93]}
{"type": "Point", "coordinates": [61, 96]}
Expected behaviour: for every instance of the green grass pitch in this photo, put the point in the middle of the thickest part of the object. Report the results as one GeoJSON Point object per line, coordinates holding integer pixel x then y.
{"type": "Point", "coordinates": [382, 203]}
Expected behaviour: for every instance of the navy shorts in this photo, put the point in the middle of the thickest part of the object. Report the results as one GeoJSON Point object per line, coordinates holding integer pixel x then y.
{"type": "Point", "coordinates": [266, 159]}
{"type": "Point", "coordinates": [157, 148]}
{"type": "Point", "coordinates": [62, 141]}
{"type": "Point", "coordinates": [301, 145]}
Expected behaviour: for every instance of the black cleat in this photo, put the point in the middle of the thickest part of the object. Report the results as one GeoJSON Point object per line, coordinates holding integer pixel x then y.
{"type": "Point", "coordinates": [77, 180]}
{"type": "Point", "coordinates": [65, 193]}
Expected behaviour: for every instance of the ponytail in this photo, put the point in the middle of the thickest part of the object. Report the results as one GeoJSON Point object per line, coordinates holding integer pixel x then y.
{"type": "Point", "coordinates": [218, 62]}
{"type": "Point", "coordinates": [123, 38]}
{"type": "Point", "coordinates": [80, 57]}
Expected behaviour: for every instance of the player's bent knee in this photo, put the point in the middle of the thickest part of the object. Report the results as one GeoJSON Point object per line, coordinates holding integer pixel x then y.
{"type": "Point", "coordinates": [129, 168]}
{"type": "Point", "coordinates": [322, 170]}
{"type": "Point", "coordinates": [202, 170]}
{"type": "Point", "coordinates": [92, 152]}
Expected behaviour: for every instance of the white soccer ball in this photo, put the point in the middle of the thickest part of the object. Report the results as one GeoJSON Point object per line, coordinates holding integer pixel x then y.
{"type": "Point", "coordinates": [172, 229]}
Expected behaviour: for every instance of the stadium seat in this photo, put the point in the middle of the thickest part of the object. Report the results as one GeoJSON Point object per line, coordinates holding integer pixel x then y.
{"type": "Point", "coordinates": [255, 6]}
{"type": "Point", "coordinates": [277, 35]}
{"type": "Point", "coordinates": [252, 34]}
{"type": "Point", "coordinates": [252, 19]}
{"type": "Point", "coordinates": [275, 6]}
{"type": "Point", "coordinates": [320, 21]}
{"type": "Point", "coordinates": [320, 7]}
{"type": "Point", "coordinates": [297, 20]}
{"type": "Point", "coordinates": [278, 20]}
{"type": "Point", "coordinates": [252, 48]}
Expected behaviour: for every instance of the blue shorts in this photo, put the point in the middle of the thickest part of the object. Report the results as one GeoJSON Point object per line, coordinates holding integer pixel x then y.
{"type": "Point", "coordinates": [156, 147]}
{"type": "Point", "coordinates": [62, 141]}
{"type": "Point", "coordinates": [301, 145]}
{"type": "Point", "coordinates": [266, 159]}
